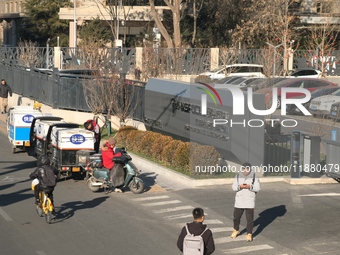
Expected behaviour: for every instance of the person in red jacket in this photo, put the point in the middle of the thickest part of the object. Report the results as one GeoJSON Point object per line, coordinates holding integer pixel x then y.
{"type": "Point", "coordinates": [116, 170]}
{"type": "Point", "coordinates": [93, 126]}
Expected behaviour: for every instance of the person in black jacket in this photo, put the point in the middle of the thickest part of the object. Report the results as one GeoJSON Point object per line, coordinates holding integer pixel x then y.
{"type": "Point", "coordinates": [4, 91]}
{"type": "Point", "coordinates": [47, 177]}
{"type": "Point", "coordinates": [196, 228]}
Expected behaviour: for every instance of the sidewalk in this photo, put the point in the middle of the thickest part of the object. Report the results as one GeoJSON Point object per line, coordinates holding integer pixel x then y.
{"type": "Point", "coordinates": [175, 179]}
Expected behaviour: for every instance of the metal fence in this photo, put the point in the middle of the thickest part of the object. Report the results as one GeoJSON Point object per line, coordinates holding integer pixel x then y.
{"type": "Point", "coordinates": [59, 92]}
{"type": "Point", "coordinates": [164, 61]}
{"type": "Point", "coordinates": [277, 153]}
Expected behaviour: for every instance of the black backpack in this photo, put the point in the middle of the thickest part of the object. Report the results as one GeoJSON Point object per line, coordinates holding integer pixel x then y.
{"type": "Point", "coordinates": [49, 179]}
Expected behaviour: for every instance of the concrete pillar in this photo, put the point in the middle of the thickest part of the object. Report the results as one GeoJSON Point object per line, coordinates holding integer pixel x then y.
{"type": "Point", "coordinates": [57, 57]}
{"type": "Point", "coordinates": [5, 29]}
{"type": "Point", "coordinates": [139, 57]}
{"type": "Point", "coordinates": [291, 58]}
{"type": "Point", "coordinates": [14, 32]}
{"type": "Point", "coordinates": [71, 34]}
{"type": "Point", "coordinates": [214, 55]}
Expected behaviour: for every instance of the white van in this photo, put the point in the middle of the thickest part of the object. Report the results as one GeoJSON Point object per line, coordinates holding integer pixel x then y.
{"type": "Point", "coordinates": [246, 70]}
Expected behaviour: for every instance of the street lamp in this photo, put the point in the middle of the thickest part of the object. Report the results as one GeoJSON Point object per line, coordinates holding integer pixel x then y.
{"type": "Point", "coordinates": [274, 47]}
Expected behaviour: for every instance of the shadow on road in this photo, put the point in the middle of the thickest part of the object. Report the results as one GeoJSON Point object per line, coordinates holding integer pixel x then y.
{"type": "Point", "coordinates": [267, 217]}
{"type": "Point", "coordinates": [67, 210]}
{"type": "Point", "coordinates": [148, 179]}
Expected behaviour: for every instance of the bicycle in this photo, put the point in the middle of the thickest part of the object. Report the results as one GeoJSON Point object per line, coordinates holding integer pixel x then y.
{"type": "Point", "coordinates": [45, 206]}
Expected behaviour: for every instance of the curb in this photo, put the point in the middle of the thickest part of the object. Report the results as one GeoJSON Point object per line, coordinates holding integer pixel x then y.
{"type": "Point", "coordinates": [161, 170]}
{"type": "Point", "coordinates": [166, 172]}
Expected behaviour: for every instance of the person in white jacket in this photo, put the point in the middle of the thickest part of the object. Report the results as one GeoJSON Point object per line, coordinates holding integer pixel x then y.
{"type": "Point", "coordinates": [246, 185]}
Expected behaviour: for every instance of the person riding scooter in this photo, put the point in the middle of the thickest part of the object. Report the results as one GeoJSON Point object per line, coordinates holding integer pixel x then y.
{"type": "Point", "coordinates": [116, 170]}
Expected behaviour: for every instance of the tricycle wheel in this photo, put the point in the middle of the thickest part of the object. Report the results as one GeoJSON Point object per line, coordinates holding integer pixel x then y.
{"type": "Point", "coordinates": [89, 184]}
{"type": "Point", "coordinates": [136, 186]}
{"type": "Point", "coordinates": [48, 217]}
{"type": "Point", "coordinates": [39, 210]}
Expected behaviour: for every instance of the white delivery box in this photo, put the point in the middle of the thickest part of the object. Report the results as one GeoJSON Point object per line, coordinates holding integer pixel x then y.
{"type": "Point", "coordinates": [41, 127]}
{"type": "Point", "coordinates": [72, 138]}
{"type": "Point", "coordinates": [19, 120]}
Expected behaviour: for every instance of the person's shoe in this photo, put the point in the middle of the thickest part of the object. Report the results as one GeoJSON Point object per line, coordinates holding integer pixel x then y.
{"type": "Point", "coordinates": [118, 190]}
{"type": "Point", "coordinates": [249, 237]}
{"type": "Point", "coordinates": [235, 233]}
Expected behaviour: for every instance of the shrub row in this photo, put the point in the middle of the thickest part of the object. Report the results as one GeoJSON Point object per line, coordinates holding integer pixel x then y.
{"type": "Point", "coordinates": [184, 156]}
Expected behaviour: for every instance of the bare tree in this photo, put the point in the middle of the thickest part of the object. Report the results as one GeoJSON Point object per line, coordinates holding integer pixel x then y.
{"type": "Point", "coordinates": [321, 40]}
{"type": "Point", "coordinates": [113, 9]}
{"type": "Point", "coordinates": [29, 54]}
{"type": "Point", "coordinates": [175, 8]}
{"type": "Point", "coordinates": [111, 94]}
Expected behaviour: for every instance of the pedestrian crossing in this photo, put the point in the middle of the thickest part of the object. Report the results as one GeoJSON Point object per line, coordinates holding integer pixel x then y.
{"type": "Point", "coordinates": [175, 210]}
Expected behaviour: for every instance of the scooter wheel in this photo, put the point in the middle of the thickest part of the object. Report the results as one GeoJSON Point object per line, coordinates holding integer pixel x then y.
{"type": "Point", "coordinates": [136, 187]}
{"type": "Point", "coordinates": [89, 184]}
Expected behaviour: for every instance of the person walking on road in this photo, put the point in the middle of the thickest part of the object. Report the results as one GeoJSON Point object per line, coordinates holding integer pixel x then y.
{"type": "Point", "coordinates": [4, 91]}
{"type": "Point", "coordinates": [194, 229]}
{"type": "Point", "coordinates": [246, 185]}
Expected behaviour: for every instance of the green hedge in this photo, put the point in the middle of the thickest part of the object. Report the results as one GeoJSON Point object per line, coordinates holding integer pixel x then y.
{"type": "Point", "coordinates": [176, 154]}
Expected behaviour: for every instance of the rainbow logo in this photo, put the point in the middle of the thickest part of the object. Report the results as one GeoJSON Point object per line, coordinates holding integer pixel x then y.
{"type": "Point", "coordinates": [208, 91]}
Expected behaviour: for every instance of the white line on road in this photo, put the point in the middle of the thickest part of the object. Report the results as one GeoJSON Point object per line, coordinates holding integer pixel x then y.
{"type": "Point", "coordinates": [248, 249]}
{"type": "Point", "coordinates": [5, 215]}
{"type": "Point", "coordinates": [228, 239]}
{"type": "Point", "coordinates": [178, 216]}
{"type": "Point", "coordinates": [213, 222]}
{"type": "Point", "coordinates": [322, 195]}
{"type": "Point", "coordinates": [149, 198]}
{"type": "Point", "coordinates": [178, 208]}
{"type": "Point", "coordinates": [217, 230]}
{"type": "Point", "coordinates": [163, 203]}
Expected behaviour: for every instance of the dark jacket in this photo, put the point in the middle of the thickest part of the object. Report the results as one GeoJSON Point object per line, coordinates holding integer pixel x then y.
{"type": "Point", "coordinates": [196, 228]}
{"type": "Point", "coordinates": [45, 175]}
{"type": "Point", "coordinates": [4, 90]}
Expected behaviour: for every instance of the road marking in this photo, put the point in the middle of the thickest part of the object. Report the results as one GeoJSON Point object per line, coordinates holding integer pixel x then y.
{"type": "Point", "coordinates": [248, 249]}
{"type": "Point", "coordinates": [149, 198]}
{"type": "Point", "coordinates": [213, 222]}
{"type": "Point", "coordinates": [228, 239]}
{"type": "Point", "coordinates": [205, 222]}
{"type": "Point", "coordinates": [178, 216]}
{"type": "Point", "coordinates": [322, 195]}
{"type": "Point", "coordinates": [163, 203]}
{"type": "Point", "coordinates": [178, 208]}
{"type": "Point", "coordinates": [5, 215]}
{"type": "Point", "coordinates": [13, 179]}
{"type": "Point", "coordinates": [225, 229]}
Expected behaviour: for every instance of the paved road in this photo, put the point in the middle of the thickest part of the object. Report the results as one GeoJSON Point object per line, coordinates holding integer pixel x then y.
{"type": "Point", "coordinates": [289, 219]}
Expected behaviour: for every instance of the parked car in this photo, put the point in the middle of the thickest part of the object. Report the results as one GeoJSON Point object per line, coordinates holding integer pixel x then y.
{"type": "Point", "coordinates": [236, 81]}
{"type": "Point", "coordinates": [310, 84]}
{"type": "Point", "coordinates": [310, 73]}
{"type": "Point", "coordinates": [265, 83]}
{"type": "Point", "coordinates": [221, 72]}
{"type": "Point", "coordinates": [321, 106]}
{"type": "Point", "coordinates": [292, 109]}
{"type": "Point", "coordinates": [228, 79]}
{"type": "Point", "coordinates": [335, 111]}
{"type": "Point", "coordinates": [243, 81]}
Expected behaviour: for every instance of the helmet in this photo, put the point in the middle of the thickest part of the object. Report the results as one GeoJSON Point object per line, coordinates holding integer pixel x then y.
{"type": "Point", "coordinates": [43, 160]}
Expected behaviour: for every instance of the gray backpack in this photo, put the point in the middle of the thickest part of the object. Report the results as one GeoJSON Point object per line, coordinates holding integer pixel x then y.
{"type": "Point", "coordinates": [193, 245]}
